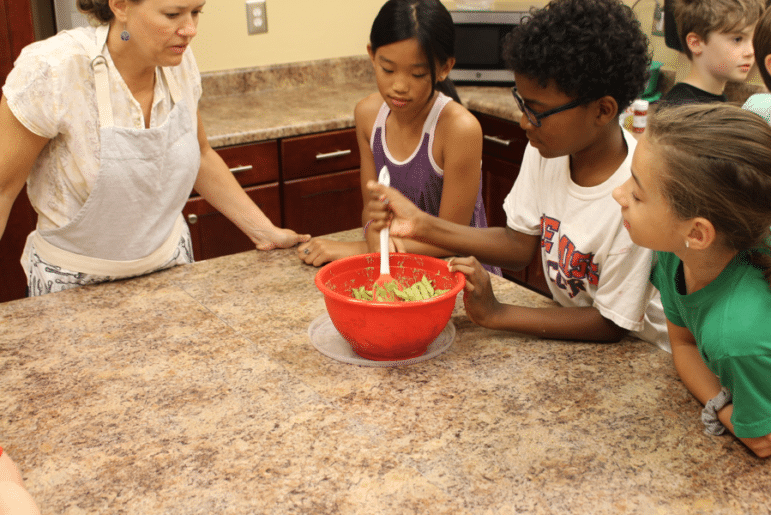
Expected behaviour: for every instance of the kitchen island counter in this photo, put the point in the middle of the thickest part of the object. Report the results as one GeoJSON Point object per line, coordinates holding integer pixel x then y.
{"type": "Point", "coordinates": [197, 390]}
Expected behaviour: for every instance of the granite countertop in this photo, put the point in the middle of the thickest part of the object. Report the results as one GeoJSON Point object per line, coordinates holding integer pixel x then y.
{"type": "Point", "coordinates": [248, 105]}
{"type": "Point", "coordinates": [197, 390]}
{"type": "Point", "coordinates": [245, 106]}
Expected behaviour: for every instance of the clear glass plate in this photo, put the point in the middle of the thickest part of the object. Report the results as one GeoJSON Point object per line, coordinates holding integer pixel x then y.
{"type": "Point", "coordinates": [329, 342]}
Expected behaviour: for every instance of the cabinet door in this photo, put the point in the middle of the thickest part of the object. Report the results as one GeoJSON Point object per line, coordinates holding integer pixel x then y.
{"type": "Point", "coordinates": [21, 222]}
{"type": "Point", "coordinates": [14, 14]}
{"type": "Point", "coordinates": [214, 235]}
{"type": "Point", "coordinates": [323, 204]}
{"type": "Point", "coordinates": [16, 32]}
{"type": "Point", "coordinates": [502, 138]}
{"type": "Point", "coordinates": [498, 177]}
{"type": "Point", "coordinates": [503, 148]}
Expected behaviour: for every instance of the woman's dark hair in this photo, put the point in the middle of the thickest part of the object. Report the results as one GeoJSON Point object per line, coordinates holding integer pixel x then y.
{"type": "Point", "coordinates": [98, 10]}
{"type": "Point", "coordinates": [429, 22]}
{"type": "Point", "coordinates": [589, 48]}
{"type": "Point", "coordinates": [717, 165]}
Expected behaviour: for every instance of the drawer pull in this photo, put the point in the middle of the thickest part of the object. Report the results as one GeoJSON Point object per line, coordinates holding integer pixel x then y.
{"type": "Point", "coordinates": [331, 155]}
{"type": "Point", "coordinates": [497, 141]}
{"type": "Point", "coordinates": [239, 169]}
{"type": "Point", "coordinates": [192, 218]}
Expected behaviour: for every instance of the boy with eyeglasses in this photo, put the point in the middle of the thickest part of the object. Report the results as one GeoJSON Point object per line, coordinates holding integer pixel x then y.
{"type": "Point", "coordinates": [574, 75]}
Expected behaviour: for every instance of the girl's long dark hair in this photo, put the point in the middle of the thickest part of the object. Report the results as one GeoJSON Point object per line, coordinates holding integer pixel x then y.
{"type": "Point", "coordinates": [429, 22]}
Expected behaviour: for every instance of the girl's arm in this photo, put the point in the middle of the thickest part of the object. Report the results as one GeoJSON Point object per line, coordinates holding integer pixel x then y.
{"type": "Point", "coordinates": [19, 148]}
{"type": "Point", "coordinates": [704, 384]}
{"type": "Point", "coordinates": [364, 115]}
{"type": "Point", "coordinates": [217, 185]}
{"type": "Point", "coordinates": [694, 373]}
{"type": "Point", "coordinates": [458, 151]}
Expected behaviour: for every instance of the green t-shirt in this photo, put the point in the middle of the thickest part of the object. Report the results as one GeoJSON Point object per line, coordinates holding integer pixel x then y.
{"type": "Point", "coordinates": [731, 321]}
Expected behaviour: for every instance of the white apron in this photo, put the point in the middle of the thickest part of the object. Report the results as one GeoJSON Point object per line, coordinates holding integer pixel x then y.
{"type": "Point", "coordinates": [131, 224]}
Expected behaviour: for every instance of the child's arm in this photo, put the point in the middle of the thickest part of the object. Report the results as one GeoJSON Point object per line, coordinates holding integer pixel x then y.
{"type": "Point", "coordinates": [704, 384]}
{"type": "Point", "coordinates": [457, 149]}
{"type": "Point", "coordinates": [499, 246]}
{"type": "Point", "coordinates": [563, 323]}
{"type": "Point", "coordinates": [14, 498]}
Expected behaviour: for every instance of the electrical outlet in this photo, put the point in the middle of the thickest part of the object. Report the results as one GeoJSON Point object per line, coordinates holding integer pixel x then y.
{"type": "Point", "coordinates": [256, 17]}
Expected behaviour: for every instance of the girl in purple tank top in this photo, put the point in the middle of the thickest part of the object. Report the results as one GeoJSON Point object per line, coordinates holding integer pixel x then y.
{"type": "Point", "coordinates": [415, 126]}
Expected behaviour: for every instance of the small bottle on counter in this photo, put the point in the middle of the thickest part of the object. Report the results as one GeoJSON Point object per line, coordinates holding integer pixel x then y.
{"type": "Point", "coordinates": [639, 115]}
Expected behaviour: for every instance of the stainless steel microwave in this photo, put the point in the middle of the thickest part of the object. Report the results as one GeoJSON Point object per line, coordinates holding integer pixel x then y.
{"type": "Point", "coordinates": [479, 39]}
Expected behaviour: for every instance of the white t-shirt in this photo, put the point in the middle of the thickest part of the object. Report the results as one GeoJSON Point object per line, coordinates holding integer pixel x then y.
{"type": "Point", "coordinates": [51, 92]}
{"type": "Point", "coordinates": [588, 257]}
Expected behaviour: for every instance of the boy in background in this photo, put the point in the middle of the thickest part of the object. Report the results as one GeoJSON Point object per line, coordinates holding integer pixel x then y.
{"type": "Point", "coordinates": [760, 103]}
{"type": "Point", "coordinates": [716, 36]}
{"type": "Point", "coordinates": [573, 78]}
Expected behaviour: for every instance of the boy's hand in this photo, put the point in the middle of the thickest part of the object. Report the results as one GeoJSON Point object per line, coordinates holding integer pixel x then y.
{"type": "Point", "coordinates": [481, 304]}
{"type": "Point", "coordinates": [389, 204]}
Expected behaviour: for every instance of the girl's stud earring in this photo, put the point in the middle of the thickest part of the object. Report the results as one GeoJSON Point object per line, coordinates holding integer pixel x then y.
{"type": "Point", "coordinates": [125, 35]}
{"type": "Point", "coordinates": [687, 244]}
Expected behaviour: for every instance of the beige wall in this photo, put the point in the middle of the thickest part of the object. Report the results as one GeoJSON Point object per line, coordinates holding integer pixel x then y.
{"type": "Point", "coordinates": [298, 30]}
{"type": "Point", "coordinates": [307, 30]}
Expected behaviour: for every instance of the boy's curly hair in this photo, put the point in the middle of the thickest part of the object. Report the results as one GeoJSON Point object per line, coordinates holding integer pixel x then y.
{"type": "Point", "coordinates": [589, 48]}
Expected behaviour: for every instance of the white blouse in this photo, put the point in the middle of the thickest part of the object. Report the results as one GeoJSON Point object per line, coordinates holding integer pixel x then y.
{"type": "Point", "coordinates": [51, 92]}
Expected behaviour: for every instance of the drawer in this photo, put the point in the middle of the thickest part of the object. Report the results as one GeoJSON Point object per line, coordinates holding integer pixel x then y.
{"type": "Point", "coordinates": [317, 154]}
{"type": "Point", "coordinates": [502, 138]}
{"type": "Point", "coordinates": [255, 163]}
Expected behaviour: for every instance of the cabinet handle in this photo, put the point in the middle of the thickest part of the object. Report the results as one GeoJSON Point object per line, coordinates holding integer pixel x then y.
{"type": "Point", "coordinates": [330, 155]}
{"type": "Point", "coordinates": [239, 169]}
{"type": "Point", "coordinates": [498, 141]}
{"type": "Point", "coordinates": [192, 218]}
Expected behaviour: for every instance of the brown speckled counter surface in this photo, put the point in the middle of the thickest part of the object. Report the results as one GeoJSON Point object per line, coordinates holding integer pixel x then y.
{"type": "Point", "coordinates": [197, 390]}
{"type": "Point", "coordinates": [244, 106]}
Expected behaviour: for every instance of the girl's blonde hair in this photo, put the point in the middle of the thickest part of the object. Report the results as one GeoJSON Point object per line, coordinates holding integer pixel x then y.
{"type": "Point", "coordinates": [717, 165]}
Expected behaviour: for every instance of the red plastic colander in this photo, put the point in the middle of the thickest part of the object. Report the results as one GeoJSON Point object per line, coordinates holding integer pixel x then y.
{"type": "Point", "coordinates": [387, 331]}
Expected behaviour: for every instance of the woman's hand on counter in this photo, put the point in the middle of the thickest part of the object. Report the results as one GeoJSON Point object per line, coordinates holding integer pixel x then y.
{"type": "Point", "coordinates": [318, 251]}
{"type": "Point", "coordinates": [277, 238]}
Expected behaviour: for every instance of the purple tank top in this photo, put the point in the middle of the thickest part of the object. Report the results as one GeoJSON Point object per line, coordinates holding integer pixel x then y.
{"type": "Point", "coordinates": [418, 177]}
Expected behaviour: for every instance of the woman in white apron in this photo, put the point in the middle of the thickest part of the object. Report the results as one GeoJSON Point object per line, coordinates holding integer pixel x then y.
{"type": "Point", "coordinates": [102, 123]}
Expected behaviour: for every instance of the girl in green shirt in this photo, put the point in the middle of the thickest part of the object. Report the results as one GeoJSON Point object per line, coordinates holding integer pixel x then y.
{"type": "Point", "coordinates": [700, 195]}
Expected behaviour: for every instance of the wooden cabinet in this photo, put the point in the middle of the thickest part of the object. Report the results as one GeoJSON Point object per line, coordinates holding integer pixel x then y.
{"type": "Point", "coordinates": [321, 184]}
{"type": "Point", "coordinates": [307, 183]}
{"type": "Point", "coordinates": [14, 14]}
{"type": "Point", "coordinates": [503, 147]}
{"type": "Point", "coordinates": [256, 168]}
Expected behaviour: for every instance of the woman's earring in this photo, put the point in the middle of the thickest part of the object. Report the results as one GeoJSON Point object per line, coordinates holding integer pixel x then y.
{"type": "Point", "coordinates": [687, 244]}
{"type": "Point", "coordinates": [125, 35]}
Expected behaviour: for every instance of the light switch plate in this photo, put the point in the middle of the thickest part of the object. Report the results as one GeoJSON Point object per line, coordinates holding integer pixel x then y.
{"type": "Point", "coordinates": [256, 17]}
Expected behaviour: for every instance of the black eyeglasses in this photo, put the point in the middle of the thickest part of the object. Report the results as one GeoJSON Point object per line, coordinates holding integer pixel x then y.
{"type": "Point", "coordinates": [535, 118]}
